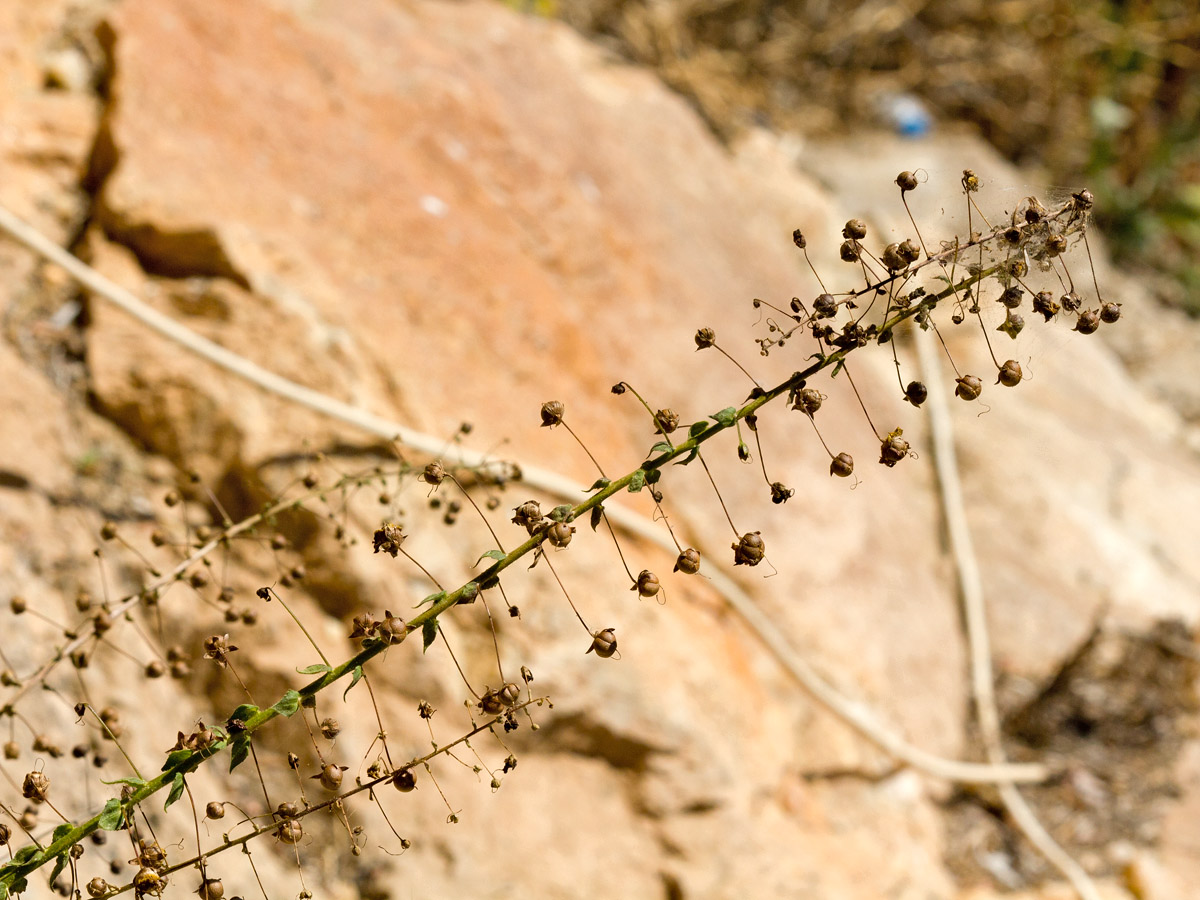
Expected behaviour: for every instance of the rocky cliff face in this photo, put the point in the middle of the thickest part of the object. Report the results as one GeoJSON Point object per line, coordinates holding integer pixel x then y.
{"type": "Point", "coordinates": [451, 212]}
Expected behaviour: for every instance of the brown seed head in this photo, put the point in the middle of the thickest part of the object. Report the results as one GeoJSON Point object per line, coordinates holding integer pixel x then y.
{"type": "Point", "coordinates": [1088, 321]}
{"type": "Point", "coordinates": [1010, 374]}
{"type": "Point", "coordinates": [842, 465]}
{"type": "Point", "coordinates": [969, 387]}
{"type": "Point", "coordinates": [749, 549]}
{"type": "Point", "coordinates": [647, 584]}
{"type": "Point", "coordinates": [604, 643]}
{"type": "Point", "coordinates": [688, 562]}
{"type": "Point", "coordinates": [552, 413]}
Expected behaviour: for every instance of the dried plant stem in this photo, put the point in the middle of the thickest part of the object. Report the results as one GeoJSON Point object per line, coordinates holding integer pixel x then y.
{"type": "Point", "coordinates": [850, 712]}
{"type": "Point", "coordinates": [975, 618]}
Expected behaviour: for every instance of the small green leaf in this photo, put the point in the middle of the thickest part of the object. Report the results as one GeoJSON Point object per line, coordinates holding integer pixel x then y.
{"type": "Point", "coordinates": [128, 779]}
{"type": "Point", "coordinates": [60, 832]}
{"type": "Point", "coordinates": [469, 592]}
{"type": "Point", "coordinates": [653, 475]}
{"type": "Point", "coordinates": [660, 447]}
{"type": "Point", "coordinates": [430, 600]}
{"type": "Point", "coordinates": [598, 485]}
{"type": "Point", "coordinates": [597, 515]}
{"type": "Point", "coordinates": [288, 704]}
{"type": "Point", "coordinates": [60, 863]}
{"type": "Point", "coordinates": [560, 514]}
{"type": "Point", "coordinates": [838, 366]}
{"type": "Point", "coordinates": [238, 751]}
{"type": "Point", "coordinates": [25, 854]}
{"type": "Point", "coordinates": [491, 554]}
{"type": "Point", "coordinates": [689, 458]}
{"type": "Point", "coordinates": [175, 757]}
{"type": "Point", "coordinates": [726, 417]}
{"type": "Point", "coordinates": [428, 633]}
{"type": "Point", "coordinates": [112, 816]}
{"type": "Point", "coordinates": [176, 791]}
{"type": "Point", "coordinates": [697, 428]}
{"type": "Point", "coordinates": [637, 482]}
{"type": "Point", "coordinates": [353, 681]}
{"type": "Point", "coordinates": [314, 669]}
{"type": "Point", "coordinates": [243, 713]}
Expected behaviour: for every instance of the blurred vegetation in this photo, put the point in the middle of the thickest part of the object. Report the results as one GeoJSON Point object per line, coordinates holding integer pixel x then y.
{"type": "Point", "coordinates": [1105, 94]}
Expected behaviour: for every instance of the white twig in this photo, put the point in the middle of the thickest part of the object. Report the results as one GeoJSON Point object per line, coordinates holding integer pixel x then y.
{"type": "Point", "coordinates": [854, 714]}
{"type": "Point", "coordinates": [975, 616]}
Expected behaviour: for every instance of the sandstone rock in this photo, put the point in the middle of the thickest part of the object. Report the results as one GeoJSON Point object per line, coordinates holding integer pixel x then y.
{"type": "Point", "coordinates": [451, 212]}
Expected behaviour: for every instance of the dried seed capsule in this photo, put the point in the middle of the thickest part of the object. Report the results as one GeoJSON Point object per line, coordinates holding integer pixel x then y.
{"type": "Point", "coordinates": [214, 810]}
{"type": "Point", "coordinates": [749, 549]}
{"type": "Point", "coordinates": [798, 239]}
{"type": "Point", "coordinates": [855, 230]}
{"type": "Point", "coordinates": [1043, 302]}
{"type": "Point", "coordinates": [155, 669]}
{"type": "Point", "coordinates": [666, 421]}
{"type": "Point", "coordinates": [510, 694]}
{"type": "Point", "coordinates": [211, 889]}
{"type": "Point", "coordinates": [781, 493]}
{"type": "Point", "coordinates": [647, 584]}
{"type": "Point", "coordinates": [527, 514]}
{"type": "Point", "coordinates": [907, 182]}
{"type": "Point", "coordinates": [916, 393]}
{"type": "Point", "coordinates": [825, 306]}
{"type": "Point", "coordinates": [290, 831]}
{"type": "Point", "coordinates": [1012, 234]}
{"type": "Point", "coordinates": [842, 465]}
{"type": "Point", "coordinates": [330, 728]}
{"type": "Point", "coordinates": [688, 562]}
{"type": "Point", "coordinates": [1010, 374]}
{"type": "Point", "coordinates": [1011, 297]}
{"type": "Point", "coordinates": [18, 605]}
{"type": "Point", "coordinates": [893, 449]}
{"type": "Point", "coordinates": [705, 338]}
{"type": "Point", "coordinates": [108, 531]}
{"type": "Point", "coordinates": [1056, 245]}
{"type": "Point", "coordinates": [330, 776]}
{"type": "Point", "coordinates": [98, 887]}
{"type": "Point", "coordinates": [1110, 312]}
{"type": "Point", "coordinates": [552, 413]}
{"type": "Point", "coordinates": [850, 251]}
{"type": "Point", "coordinates": [393, 628]}
{"type": "Point", "coordinates": [35, 787]}
{"type": "Point", "coordinates": [404, 781]}
{"type": "Point", "coordinates": [387, 539]}
{"type": "Point", "coordinates": [147, 881]}
{"type": "Point", "coordinates": [604, 643]}
{"type": "Point", "coordinates": [1088, 322]}
{"type": "Point", "coordinates": [1070, 301]}
{"type": "Point", "coordinates": [1012, 325]}
{"type": "Point", "coordinates": [969, 387]}
{"type": "Point", "coordinates": [559, 534]}
{"type": "Point", "coordinates": [892, 258]}
{"type": "Point", "coordinates": [909, 251]}
{"type": "Point", "coordinates": [434, 473]}
{"type": "Point", "coordinates": [490, 703]}
{"type": "Point", "coordinates": [808, 401]}
{"type": "Point", "coordinates": [12, 750]}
